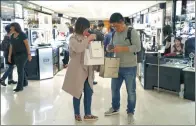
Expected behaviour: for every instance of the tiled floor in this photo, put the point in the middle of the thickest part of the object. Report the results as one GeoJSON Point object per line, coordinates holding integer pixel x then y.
{"type": "Point", "coordinates": [43, 102]}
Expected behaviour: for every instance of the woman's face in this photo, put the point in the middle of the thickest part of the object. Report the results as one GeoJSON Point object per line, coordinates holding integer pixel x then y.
{"type": "Point", "coordinates": [12, 29]}
{"type": "Point", "coordinates": [177, 42]}
{"type": "Point", "coordinates": [86, 33]}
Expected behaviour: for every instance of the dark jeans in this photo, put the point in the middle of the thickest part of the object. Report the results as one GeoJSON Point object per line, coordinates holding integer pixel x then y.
{"type": "Point", "coordinates": [20, 61]}
{"type": "Point", "coordinates": [87, 100]}
{"type": "Point", "coordinates": [66, 57]}
{"type": "Point", "coordinates": [129, 75]}
{"type": "Point", "coordinates": [8, 73]}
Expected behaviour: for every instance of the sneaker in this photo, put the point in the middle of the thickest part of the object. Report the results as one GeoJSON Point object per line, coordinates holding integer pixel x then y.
{"type": "Point", "coordinates": [2, 82]}
{"type": "Point", "coordinates": [78, 118]}
{"type": "Point", "coordinates": [90, 118]}
{"type": "Point", "coordinates": [131, 119]}
{"type": "Point", "coordinates": [111, 111]}
{"type": "Point", "coordinates": [12, 82]}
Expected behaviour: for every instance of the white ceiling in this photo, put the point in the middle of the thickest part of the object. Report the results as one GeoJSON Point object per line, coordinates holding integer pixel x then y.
{"type": "Point", "coordinates": [95, 10]}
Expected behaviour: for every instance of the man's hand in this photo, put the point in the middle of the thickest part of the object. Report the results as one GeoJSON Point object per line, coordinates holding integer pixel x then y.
{"type": "Point", "coordinates": [118, 49]}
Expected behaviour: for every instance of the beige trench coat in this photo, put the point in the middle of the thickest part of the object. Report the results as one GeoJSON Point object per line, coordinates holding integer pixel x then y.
{"type": "Point", "coordinates": [77, 72]}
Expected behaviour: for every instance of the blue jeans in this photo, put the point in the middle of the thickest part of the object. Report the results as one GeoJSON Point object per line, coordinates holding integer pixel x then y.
{"type": "Point", "coordinates": [8, 73]}
{"type": "Point", "coordinates": [87, 100]}
{"type": "Point", "coordinates": [129, 75]}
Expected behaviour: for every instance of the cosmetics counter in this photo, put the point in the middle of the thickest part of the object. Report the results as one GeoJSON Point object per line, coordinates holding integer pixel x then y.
{"type": "Point", "coordinates": [46, 62]}
{"type": "Point", "coordinates": [173, 74]}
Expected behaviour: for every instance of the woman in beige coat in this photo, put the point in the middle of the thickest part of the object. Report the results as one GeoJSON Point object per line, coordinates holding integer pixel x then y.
{"type": "Point", "coordinates": [79, 77]}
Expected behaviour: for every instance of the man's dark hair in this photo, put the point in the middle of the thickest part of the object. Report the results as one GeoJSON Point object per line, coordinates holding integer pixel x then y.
{"type": "Point", "coordinates": [16, 26]}
{"type": "Point", "coordinates": [71, 30]}
{"type": "Point", "coordinates": [167, 30]}
{"type": "Point", "coordinates": [81, 25]}
{"type": "Point", "coordinates": [101, 24]}
{"type": "Point", "coordinates": [94, 27]}
{"type": "Point", "coordinates": [116, 18]}
{"type": "Point", "coordinates": [7, 28]}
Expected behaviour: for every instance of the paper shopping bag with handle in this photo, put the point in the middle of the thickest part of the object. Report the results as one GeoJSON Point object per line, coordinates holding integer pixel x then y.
{"type": "Point", "coordinates": [110, 68]}
{"type": "Point", "coordinates": [96, 49]}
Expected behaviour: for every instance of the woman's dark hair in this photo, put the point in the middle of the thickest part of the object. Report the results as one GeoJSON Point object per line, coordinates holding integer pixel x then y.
{"type": "Point", "coordinates": [71, 30]}
{"type": "Point", "coordinates": [16, 26]}
{"type": "Point", "coordinates": [81, 25]}
{"type": "Point", "coordinates": [178, 38]}
{"type": "Point", "coordinates": [167, 30]}
{"type": "Point", "coordinates": [7, 28]}
{"type": "Point", "coordinates": [116, 18]}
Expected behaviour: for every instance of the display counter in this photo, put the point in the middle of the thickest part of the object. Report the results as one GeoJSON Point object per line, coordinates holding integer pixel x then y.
{"type": "Point", "coordinates": [45, 62]}
{"type": "Point", "coordinates": [164, 75]}
{"type": "Point", "coordinates": [189, 83]}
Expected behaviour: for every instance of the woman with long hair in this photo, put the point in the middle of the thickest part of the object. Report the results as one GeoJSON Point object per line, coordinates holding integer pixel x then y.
{"type": "Point", "coordinates": [79, 77]}
{"type": "Point", "coordinates": [5, 47]}
{"type": "Point", "coordinates": [20, 50]}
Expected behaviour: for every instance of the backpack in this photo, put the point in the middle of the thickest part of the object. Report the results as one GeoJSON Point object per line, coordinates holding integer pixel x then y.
{"type": "Point", "coordinates": [140, 54]}
{"type": "Point", "coordinates": [5, 44]}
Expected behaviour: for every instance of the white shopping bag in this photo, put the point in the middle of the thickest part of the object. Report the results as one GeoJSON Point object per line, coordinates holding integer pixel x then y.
{"type": "Point", "coordinates": [88, 60]}
{"type": "Point", "coordinates": [96, 49]}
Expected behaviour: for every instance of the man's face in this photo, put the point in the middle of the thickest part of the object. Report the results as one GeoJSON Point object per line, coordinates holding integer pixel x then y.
{"type": "Point", "coordinates": [119, 27]}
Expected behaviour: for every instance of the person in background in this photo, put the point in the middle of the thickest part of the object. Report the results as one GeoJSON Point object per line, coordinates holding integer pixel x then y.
{"type": "Point", "coordinates": [178, 47]}
{"type": "Point", "coordinates": [167, 32]}
{"type": "Point", "coordinates": [66, 52]}
{"type": "Point", "coordinates": [5, 47]}
{"type": "Point", "coordinates": [107, 40]}
{"type": "Point", "coordinates": [99, 33]}
{"type": "Point", "coordinates": [54, 32]}
{"type": "Point", "coordinates": [128, 64]}
{"type": "Point", "coordinates": [79, 77]}
{"type": "Point", "coordinates": [20, 50]}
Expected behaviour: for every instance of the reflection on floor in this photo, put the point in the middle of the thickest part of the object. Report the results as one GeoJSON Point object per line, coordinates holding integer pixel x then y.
{"type": "Point", "coordinates": [45, 103]}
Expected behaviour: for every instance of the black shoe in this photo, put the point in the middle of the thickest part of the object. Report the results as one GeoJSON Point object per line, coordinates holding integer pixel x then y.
{"type": "Point", "coordinates": [17, 90]}
{"type": "Point", "coordinates": [94, 82]}
{"type": "Point", "coordinates": [12, 82]}
{"type": "Point", "coordinates": [25, 85]}
{"type": "Point", "coordinates": [2, 82]}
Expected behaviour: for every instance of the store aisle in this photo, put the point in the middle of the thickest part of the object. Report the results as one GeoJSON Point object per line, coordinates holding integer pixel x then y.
{"type": "Point", "coordinates": [45, 103]}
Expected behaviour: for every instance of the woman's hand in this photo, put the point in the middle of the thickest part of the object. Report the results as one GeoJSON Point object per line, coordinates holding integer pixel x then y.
{"type": "Point", "coordinates": [29, 58]}
{"type": "Point", "coordinates": [9, 59]}
{"type": "Point", "coordinates": [91, 37]}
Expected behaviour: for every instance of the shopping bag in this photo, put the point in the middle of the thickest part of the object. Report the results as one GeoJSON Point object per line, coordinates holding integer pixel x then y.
{"type": "Point", "coordinates": [110, 68]}
{"type": "Point", "coordinates": [88, 60]}
{"type": "Point", "coordinates": [96, 49]}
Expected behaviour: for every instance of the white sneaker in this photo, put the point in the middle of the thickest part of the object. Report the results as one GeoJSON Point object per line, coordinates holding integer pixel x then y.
{"type": "Point", "coordinates": [111, 111]}
{"type": "Point", "coordinates": [131, 119]}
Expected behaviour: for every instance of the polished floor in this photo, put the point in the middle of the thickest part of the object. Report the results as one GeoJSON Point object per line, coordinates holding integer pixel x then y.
{"type": "Point", "coordinates": [44, 103]}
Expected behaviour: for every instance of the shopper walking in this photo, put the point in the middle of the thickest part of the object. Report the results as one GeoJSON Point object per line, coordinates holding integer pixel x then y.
{"type": "Point", "coordinates": [5, 48]}
{"type": "Point", "coordinates": [21, 51]}
{"type": "Point", "coordinates": [125, 48]}
{"type": "Point", "coordinates": [80, 77]}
